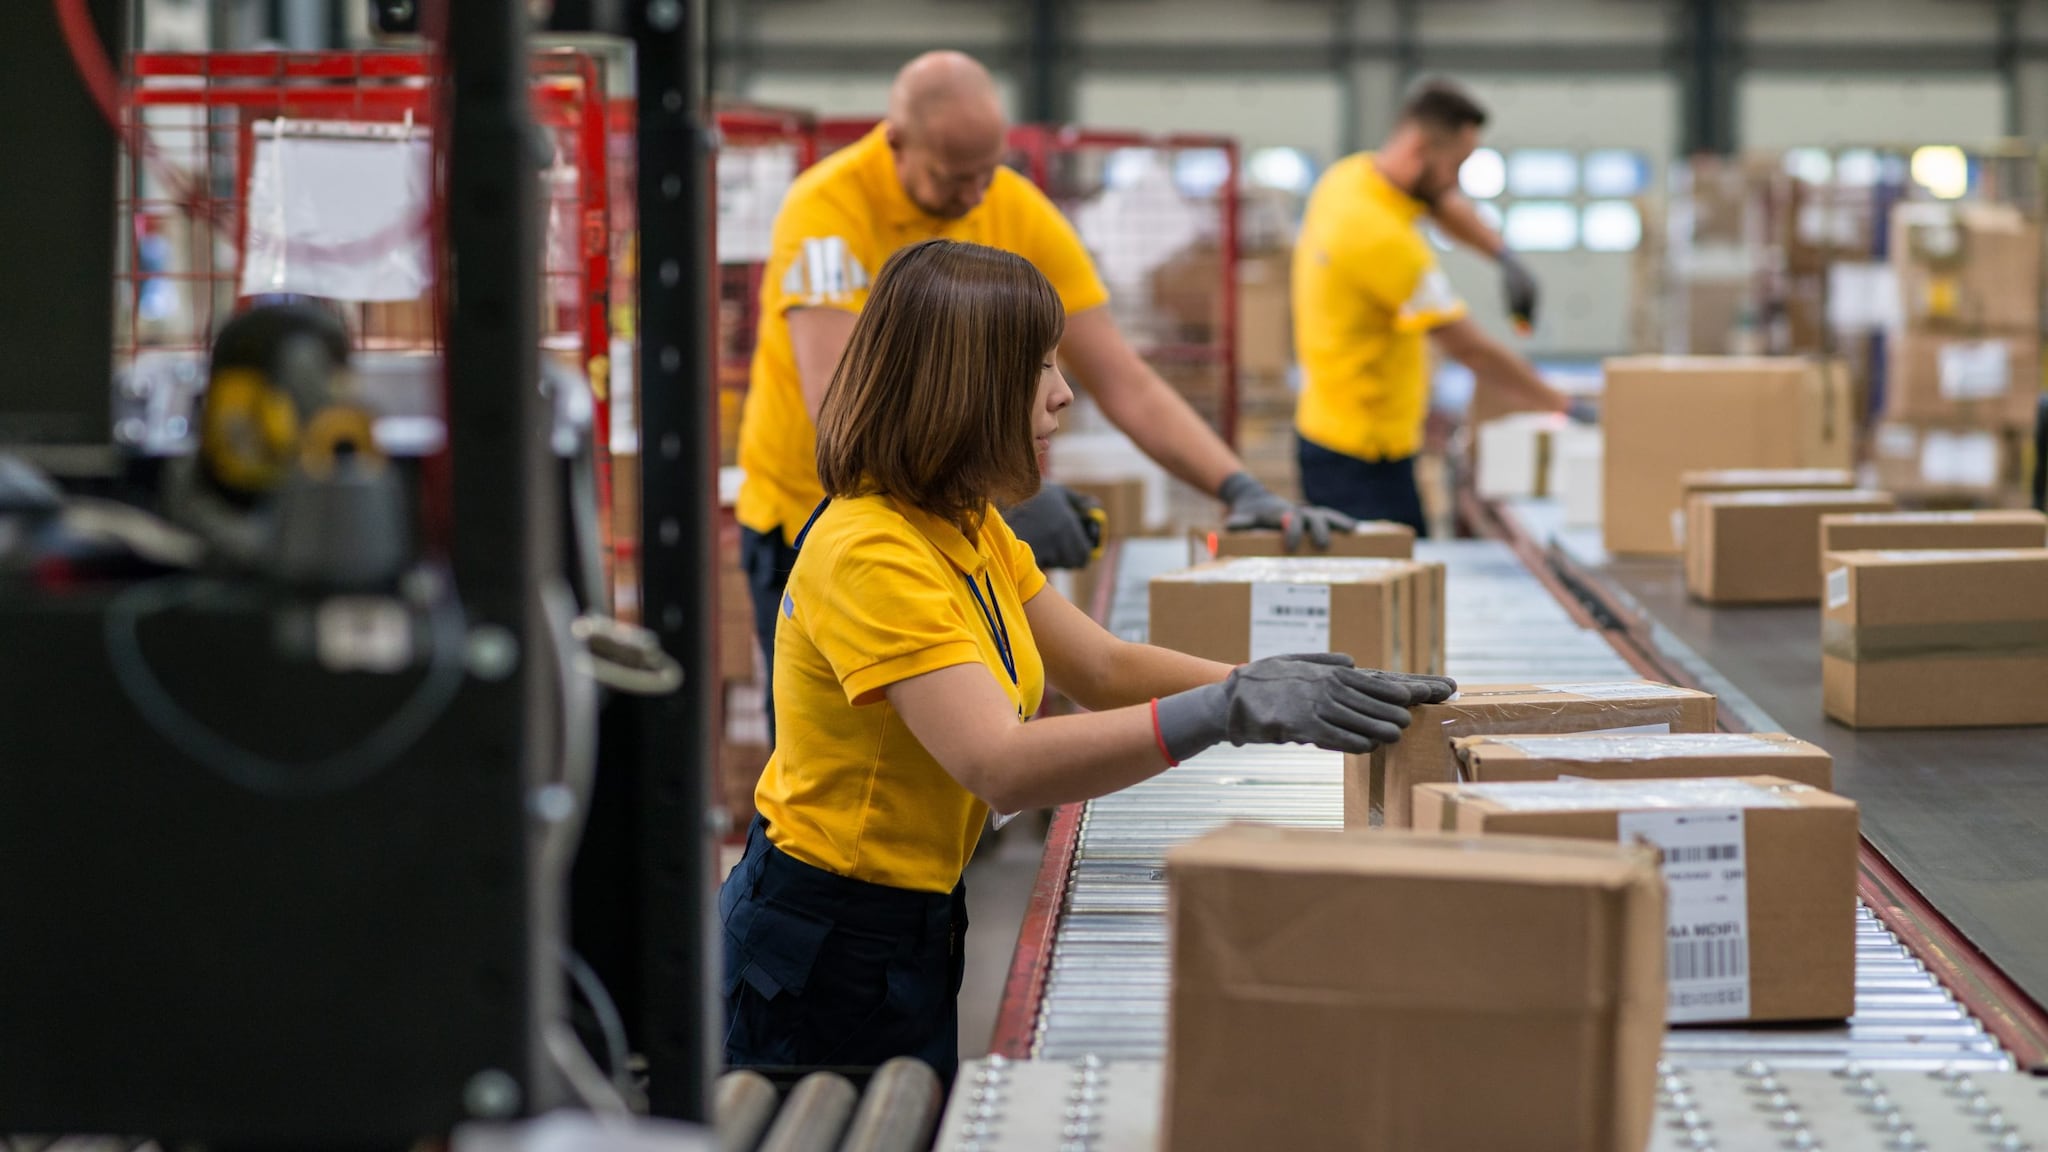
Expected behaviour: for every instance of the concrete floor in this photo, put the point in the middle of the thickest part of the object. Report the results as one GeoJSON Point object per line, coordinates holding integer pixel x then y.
{"type": "Point", "coordinates": [999, 880]}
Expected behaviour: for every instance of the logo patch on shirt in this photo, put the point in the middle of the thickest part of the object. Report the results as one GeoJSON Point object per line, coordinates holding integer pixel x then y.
{"type": "Point", "coordinates": [825, 271]}
{"type": "Point", "coordinates": [788, 607]}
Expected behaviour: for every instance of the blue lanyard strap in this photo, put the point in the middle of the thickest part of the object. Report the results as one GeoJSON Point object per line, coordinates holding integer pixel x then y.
{"type": "Point", "coordinates": [992, 615]}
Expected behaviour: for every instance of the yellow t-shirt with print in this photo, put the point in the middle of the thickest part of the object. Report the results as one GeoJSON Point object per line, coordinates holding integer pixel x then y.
{"type": "Point", "coordinates": [880, 594]}
{"type": "Point", "coordinates": [842, 219]}
{"type": "Point", "coordinates": [1367, 290]}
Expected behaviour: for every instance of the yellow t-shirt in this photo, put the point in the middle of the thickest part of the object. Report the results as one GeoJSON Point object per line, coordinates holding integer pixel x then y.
{"type": "Point", "coordinates": [840, 222]}
{"type": "Point", "coordinates": [879, 594]}
{"type": "Point", "coordinates": [1367, 290]}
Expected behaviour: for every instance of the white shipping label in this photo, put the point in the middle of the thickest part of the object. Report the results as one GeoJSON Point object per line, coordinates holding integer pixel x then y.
{"type": "Point", "coordinates": [1289, 618]}
{"type": "Point", "coordinates": [1707, 924]}
{"type": "Point", "coordinates": [1838, 587]}
{"type": "Point", "coordinates": [1974, 370]}
{"type": "Point", "coordinates": [1963, 459]}
{"type": "Point", "coordinates": [1678, 527]}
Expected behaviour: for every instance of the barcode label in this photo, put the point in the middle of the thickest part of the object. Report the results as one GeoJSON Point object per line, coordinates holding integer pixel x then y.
{"type": "Point", "coordinates": [1706, 879]}
{"type": "Point", "coordinates": [1290, 618]}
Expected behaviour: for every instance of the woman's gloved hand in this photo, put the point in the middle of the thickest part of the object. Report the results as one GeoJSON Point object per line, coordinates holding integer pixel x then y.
{"type": "Point", "coordinates": [1319, 699]}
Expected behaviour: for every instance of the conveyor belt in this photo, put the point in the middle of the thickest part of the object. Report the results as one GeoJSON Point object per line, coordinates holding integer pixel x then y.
{"type": "Point", "coordinates": [1961, 814]}
{"type": "Point", "coordinates": [1105, 984]}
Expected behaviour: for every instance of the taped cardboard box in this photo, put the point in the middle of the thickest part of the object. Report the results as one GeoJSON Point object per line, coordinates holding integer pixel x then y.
{"type": "Point", "coordinates": [1760, 873]}
{"type": "Point", "coordinates": [1757, 547]}
{"type": "Point", "coordinates": [1916, 531]}
{"type": "Point", "coordinates": [1629, 756]}
{"type": "Point", "coordinates": [1715, 480]}
{"type": "Point", "coordinates": [1249, 607]}
{"type": "Point", "coordinates": [1936, 639]}
{"type": "Point", "coordinates": [1386, 778]}
{"type": "Point", "coordinates": [1419, 994]}
{"type": "Point", "coordinates": [1666, 416]}
{"type": "Point", "coordinates": [1991, 381]}
{"type": "Point", "coordinates": [1381, 539]}
{"type": "Point", "coordinates": [1967, 267]}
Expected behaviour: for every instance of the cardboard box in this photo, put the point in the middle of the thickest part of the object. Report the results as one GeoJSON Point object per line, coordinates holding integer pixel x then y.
{"type": "Point", "coordinates": [1669, 415]}
{"type": "Point", "coordinates": [1420, 994]}
{"type": "Point", "coordinates": [1518, 454]}
{"type": "Point", "coordinates": [1760, 874]}
{"type": "Point", "coordinates": [1758, 547]}
{"type": "Point", "coordinates": [1967, 267]}
{"type": "Point", "coordinates": [1249, 608]}
{"type": "Point", "coordinates": [1936, 639]}
{"type": "Point", "coordinates": [1988, 381]}
{"type": "Point", "coordinates": [1265, 324]}
{"type": "Point", "coordinates": [1383, 539]}
{"type": "Point", "coordinates": [1914, 531]}
{"type": "Point", "coordinates": [1424, 755]}
{"type": "Point", "coordinates": [1123, 502]}
{"type": "Point", "coordinates": [1930, 463]}
{"type": "Point", "coordinates": [1612, 756]}
{"type": "Point", "coordinates": [1754, 480]}
{"type": "Point", "coordinates": [1576, 464]}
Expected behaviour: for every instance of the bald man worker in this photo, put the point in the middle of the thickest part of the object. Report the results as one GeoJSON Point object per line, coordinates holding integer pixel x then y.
{"type": "Point", "coordinates": [934, 168]}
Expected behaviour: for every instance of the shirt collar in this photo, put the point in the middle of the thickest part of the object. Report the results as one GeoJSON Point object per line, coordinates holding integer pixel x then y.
{"type": "Point", "coordinates": [878, 162]}
{"type": "Point", "coordinates": [1383, 190]}
{"type": "Point", "coordinates": [946, 537]}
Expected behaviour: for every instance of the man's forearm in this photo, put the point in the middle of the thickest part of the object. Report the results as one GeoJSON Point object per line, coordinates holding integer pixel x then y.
{"type": "Point", "coordinates": [1461, 221]}
{"type": "Point", "coordinates": [1166, 428]}
{"type": "Point", "coordinates": [1495, 367]}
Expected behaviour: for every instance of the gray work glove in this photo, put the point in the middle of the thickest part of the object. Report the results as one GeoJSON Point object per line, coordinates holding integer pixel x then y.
{"type": "Point", "coordinates": [1253, 505]}
{"type": "Point", "coordinates": [1318, 699]}
{"type": "Point", "coordinates": [1518, 285]}
{"type": "Point", "coordinates": [1582, 411]}
{"type": "Point", "coordinates": [1058, 524]}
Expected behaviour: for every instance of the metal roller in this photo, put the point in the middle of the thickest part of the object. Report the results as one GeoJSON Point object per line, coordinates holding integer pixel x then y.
{"type": "Point", "coordinates": [814, 1116]}
{"type": "Point", "coordinates": [742, 1109]}
{"type": "Point", "coordinates": [899, 1111]}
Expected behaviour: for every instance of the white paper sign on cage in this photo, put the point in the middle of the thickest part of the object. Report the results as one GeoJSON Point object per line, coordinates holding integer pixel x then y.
{"type": "Point", "coordinates": [339, 210]}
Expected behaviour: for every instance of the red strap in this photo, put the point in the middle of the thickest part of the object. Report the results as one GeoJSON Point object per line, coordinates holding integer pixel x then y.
{"type": "Point", "coordinates": [1160, 737]}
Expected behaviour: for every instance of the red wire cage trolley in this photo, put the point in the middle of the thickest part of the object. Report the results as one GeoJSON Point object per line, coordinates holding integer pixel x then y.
{"type": "Point", "coordinates": [209, 220]}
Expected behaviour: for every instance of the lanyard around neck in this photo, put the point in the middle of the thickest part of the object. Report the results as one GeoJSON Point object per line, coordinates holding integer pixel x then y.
{"type": "Point", "coordinates": [992, 615]}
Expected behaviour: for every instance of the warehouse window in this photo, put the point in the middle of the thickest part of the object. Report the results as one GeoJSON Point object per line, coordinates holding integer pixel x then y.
{"type": "Point", "coordinates": [1285, 169]}
{"type": "Point", "coordinates": [1616, 172]}
{"type": "Point", "coordinates": [1484, 174]}
{"type": "Point", "coordinates": [1810, 165]}
{"type": "Point", "coordinates": [1199, 172]}
{"type": "Point", "coordinates": [1542, 226]}
{"type": "Point", "coordinates": [1491, 214]}
{"type": "Point", "coordinates": [1542, 172]}
{"type": "Point", "coordinates": [1611, 226]}
{"type": "Point", "coordinates": [1856, 168]}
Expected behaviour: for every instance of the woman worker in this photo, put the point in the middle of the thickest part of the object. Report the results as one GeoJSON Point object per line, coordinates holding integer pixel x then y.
{"type": "Point", "coordinates": [915, 639]}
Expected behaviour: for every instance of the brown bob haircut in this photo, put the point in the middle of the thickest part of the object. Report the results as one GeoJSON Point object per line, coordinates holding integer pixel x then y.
{"type": "Point", "coordinates": [931, 402]}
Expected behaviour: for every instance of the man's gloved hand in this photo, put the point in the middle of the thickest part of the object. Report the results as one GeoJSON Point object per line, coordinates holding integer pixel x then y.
{"type": "Point", "coordinates": [1055, 524]}
{"type": "Point", "coordinates": [1253, 505]}
{"type": "Point", "coordinates": [1319, 699]}
{"type": "Point", "coordinates": [1518, 285]}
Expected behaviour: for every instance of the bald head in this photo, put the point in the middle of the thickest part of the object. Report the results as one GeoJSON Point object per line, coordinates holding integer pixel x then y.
{"type": "Point", "coordinates": [947, 129]}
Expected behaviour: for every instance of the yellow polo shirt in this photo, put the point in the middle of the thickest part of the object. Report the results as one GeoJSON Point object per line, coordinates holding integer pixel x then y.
{"type": "Point", "coordinates": [1367, 290]}
{"type": "Point", "coordinates": [879, 594]}
{"type": "Point", "coordinates": [842, 219]}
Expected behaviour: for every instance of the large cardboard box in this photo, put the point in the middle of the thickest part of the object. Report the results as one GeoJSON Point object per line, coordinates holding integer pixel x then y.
{"type": "Point", "coordinates": [1758, 547]}
{"type": "Point", "coordinates": [1383, 539]}
{"type": "Point", "coordinates": [1991, 381]}
{"type": "Point", "coordinates": [1967, 267]}
{"type": "Point", "coordinates": [1669, 415]}
{"type": "Point", "coordinates": [1760, 873]}
{"type": "Point", "coordinates": [1936, 639]}
{"type": "Point", "coordinates": [1420, 994]}
{"type": "Point", "coordinates": [1250, 607]}
{"type": "Point", "coordinates": [1385, 778]}
{"type": "Point", "coordinates": [1913, 531]}
{"type": "Point", "coordinates": [1615, 756]}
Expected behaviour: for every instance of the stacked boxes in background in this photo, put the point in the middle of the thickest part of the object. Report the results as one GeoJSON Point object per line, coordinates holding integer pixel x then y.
{"type": "Point", "coordinates": [1936, 639]}
{"type": "Point", "coordinates": [1963, 373]}
{"type": "Point", "coordinates": [1759, 547]}
{"type": "Point", "coordinates": [1344, 990]}
{"type": "Point", "coordinates": [1666, 416]}
{"type": "Point", "coordinates": [1713, 481]}
{"type": "Point", "coordinates": [1760, 874]}
{"type": "Point", "coordinates": [1385, 778]}
{"type": "Point", "coordinates": [1382, 613]}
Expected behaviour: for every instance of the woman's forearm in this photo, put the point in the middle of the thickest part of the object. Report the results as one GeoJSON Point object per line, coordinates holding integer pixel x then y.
{"type": "Point", "coordinates": [1142, 672]}
{"type": "Point", "coordinates": [1067, 759]}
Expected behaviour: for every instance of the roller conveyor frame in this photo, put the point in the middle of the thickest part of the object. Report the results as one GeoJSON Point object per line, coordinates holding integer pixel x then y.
{"type": "Point", "coordinates": [1920, 932]}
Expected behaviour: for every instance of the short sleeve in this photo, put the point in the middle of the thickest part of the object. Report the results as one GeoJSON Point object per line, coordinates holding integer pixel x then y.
{"type": "Point", "coordinates": [1431, 302]}
{"type": "Point", "coordinates": [1024, 570]}
{"type": "Point", "coordinates": [880, 611]}
{"type": "Point", "coordinates": [820, 256]}
{"type": "Point", "coordinates": [1055, 249]}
